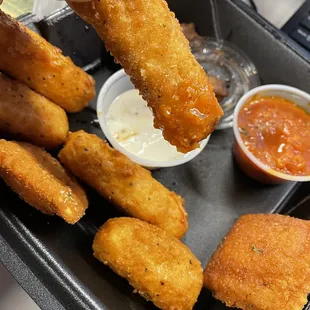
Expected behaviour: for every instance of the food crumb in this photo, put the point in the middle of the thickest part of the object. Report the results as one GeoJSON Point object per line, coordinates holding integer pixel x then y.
{"type": "Point", "coordinates": [255, 249]}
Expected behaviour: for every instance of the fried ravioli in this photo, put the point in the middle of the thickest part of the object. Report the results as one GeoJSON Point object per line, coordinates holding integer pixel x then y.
{"type": "Point", "coordinates": [28, 57]}
{"type": "Point", "coordinates": [124, 183]}
{"type": "Point", "coordinates": [41, 181]}
{"type": "Point", "coordinates": [262, 264]}
{"type": "Point", "coordinates": [30, 116]}
{"type": "Point", "coordinates": [147, 40]}
{"type": "Point", "coordinates": [160, 267]}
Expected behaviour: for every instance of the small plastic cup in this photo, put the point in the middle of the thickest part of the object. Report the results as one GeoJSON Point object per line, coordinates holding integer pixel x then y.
{"type": "Point", "coordinates": [118, 83]}
{"type": "Point", "coordinates": [246, 160]}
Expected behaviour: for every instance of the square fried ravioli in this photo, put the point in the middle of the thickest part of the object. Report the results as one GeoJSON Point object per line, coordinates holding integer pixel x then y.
{"type": "Point", "coordinates": [262, 263]}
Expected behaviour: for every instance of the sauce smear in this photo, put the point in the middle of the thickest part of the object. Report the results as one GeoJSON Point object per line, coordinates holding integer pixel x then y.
{"type": "Point", "coordinates": [277, 133]}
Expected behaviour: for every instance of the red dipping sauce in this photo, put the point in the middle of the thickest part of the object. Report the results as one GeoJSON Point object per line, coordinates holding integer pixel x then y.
{"type": "Point", "coordinates": [277, 133]}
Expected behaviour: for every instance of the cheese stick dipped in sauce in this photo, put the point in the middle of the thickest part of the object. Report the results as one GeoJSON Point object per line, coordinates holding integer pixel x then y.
{"type": "Point", "coordinates": [147, 40]}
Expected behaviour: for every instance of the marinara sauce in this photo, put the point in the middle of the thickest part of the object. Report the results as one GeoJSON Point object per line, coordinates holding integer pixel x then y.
{"type": "Point", "coordinates": [277, 133]}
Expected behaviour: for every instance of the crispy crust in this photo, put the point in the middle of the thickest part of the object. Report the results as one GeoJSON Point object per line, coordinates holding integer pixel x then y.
{"type": "Point", "coordinates": [29, 58]}
{"type": "Point", "coordinates": [147, 40]}
{"type": "Point", "coordinates": [30, 116]}
{"type": "Point", "coordinates": [157, 265]}
{"type": "Point", "coordinates": [124, 183]}
{"type": "Point", "coordinates": [41, 181]}
{"type": "Point", "coordinates": [263, 263]}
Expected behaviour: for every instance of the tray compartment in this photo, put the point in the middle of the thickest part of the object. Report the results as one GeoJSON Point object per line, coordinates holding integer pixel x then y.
{"type": "Point", "coordinates": [57, 257]}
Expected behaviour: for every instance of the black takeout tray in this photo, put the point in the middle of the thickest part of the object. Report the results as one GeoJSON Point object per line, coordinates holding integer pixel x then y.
{"type": "Point", "coordinates": [53, 260]}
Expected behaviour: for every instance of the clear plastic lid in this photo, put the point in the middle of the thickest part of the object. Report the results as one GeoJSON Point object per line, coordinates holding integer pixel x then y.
{"type": "Point", "coordinates": [230, 66]}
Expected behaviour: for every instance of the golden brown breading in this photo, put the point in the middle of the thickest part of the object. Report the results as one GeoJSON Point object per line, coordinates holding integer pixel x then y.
{"type": "Point", "coordinates": [31, 116]}
{"type": "Point", "coordinates": [28, 57]}
{"type": "Point", "coordinates": [41, 181]}
{"type": "Point", "coordinates": [147, 40]}
{"type": "Point", "coordinates": [123, 182]}
{"type": "Point", "coordinates": [160, 267]}
{"type": "Point", "coordinates": [262, 264]}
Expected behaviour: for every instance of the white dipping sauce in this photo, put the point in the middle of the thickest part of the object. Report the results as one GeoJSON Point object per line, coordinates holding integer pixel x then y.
{"type": "Point", "coordinates": [130, 121]}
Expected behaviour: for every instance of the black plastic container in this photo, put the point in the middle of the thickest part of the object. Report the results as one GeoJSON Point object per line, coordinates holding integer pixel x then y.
{"type": "Point", "coordinates": [53, 260]}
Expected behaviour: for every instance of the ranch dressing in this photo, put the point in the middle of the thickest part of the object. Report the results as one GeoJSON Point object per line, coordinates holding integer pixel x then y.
{"type": "Point", "coordinates": [130, 121]}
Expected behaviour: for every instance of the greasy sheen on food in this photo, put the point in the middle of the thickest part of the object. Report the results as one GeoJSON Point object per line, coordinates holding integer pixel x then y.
{"type": "Point", "coordinates": [160, 267]}
{"type": "Point", "coordinates": [147, 40]}
{"type": "Point", "coordinates": [262, 264]}
{"type": "Point", "coordinates": [124, 183]}
{"type": "Point", "coordinates": [30, 116]}
{"type": "Point", "coordinates": [41, 181]}
{"type": "Point", "coordinates": [28, 57]}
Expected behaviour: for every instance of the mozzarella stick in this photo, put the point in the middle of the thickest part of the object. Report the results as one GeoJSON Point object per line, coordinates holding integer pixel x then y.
{"type": "Point", "coordinates": [124, 183]}
{"type": "Point", "coordinates": [30, 116]}
{"type": "Point", "coordinates": [41, 181]}
{"type": "Point", "coordinates": [263, 263]}
{"type": "Point", "coordinates": [160, 267]}
{"type": "Point", "coordinates": [147, 40]}
{"type": "Point", "coordinates": [28, 57]}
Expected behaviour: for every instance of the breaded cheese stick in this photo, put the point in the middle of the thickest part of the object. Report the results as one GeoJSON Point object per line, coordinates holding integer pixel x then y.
{"type": "Point", "coordinates": [147, 40]}
{"type": "Point", "coordinates": [124, 183]}
{"type": "Point", "coordinates": [41, 181]}
{"type": "Point", "coordinates": [263, 263]}
{"type": "Point", "coordinates": [28, 57]}
{"type": "Point", "coordinates": [160, 267]}
{"type": "Point", "coordinates": [31, 116]}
